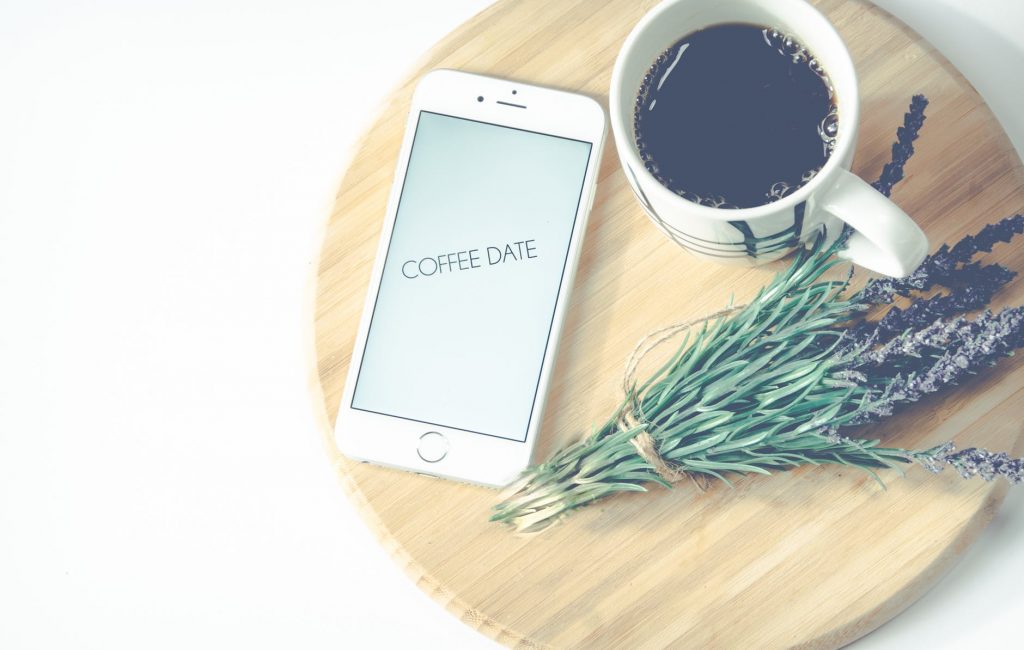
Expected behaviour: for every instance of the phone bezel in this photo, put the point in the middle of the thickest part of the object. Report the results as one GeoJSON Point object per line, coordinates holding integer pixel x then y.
{"type": "Point", "coordinates": [477, 458]}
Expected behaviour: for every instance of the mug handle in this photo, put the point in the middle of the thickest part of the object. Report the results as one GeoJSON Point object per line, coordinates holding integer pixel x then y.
{"type": "Point", "coordinates": [886, 239]}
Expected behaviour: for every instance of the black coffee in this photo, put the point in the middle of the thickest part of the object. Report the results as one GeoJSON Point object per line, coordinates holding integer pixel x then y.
{"type": "Point", "coordinates": [735, 116]}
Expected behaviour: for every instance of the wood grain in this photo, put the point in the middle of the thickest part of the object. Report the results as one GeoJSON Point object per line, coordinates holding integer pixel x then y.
{"type": "Point", "coordinates": [815, 557]}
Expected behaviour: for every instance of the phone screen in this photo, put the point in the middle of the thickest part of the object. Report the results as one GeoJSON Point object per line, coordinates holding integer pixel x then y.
{"type": "Point", "coordinates": [473, 270]}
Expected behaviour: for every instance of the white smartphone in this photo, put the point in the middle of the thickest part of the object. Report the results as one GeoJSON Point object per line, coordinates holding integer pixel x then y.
{"type": "Point", "coordinates": [477, 253]}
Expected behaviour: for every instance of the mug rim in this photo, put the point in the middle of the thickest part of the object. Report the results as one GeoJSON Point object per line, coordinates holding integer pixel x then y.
{"type": "Point", "coordinates": [848, 108]}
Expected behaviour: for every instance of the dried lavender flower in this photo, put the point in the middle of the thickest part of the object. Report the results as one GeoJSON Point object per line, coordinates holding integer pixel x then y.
{"type": "Point", "coordinates": [944, 266]}
{"type": "Point", "coordinates": [1002, 231]}
{"type": "Point", "coordinates": [913, 343]}
{"type": "Point", "coordinates": [987, 280]}
{"type": "Point", "coordinates": [971, 346]}
{"type": "Point", "coordinates": [903, 148]}
{"type": "Point", "coordinates": [972, 462]}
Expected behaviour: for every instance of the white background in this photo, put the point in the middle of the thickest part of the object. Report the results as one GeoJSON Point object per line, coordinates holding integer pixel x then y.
{"type": "Point", "coordinates": [165, 171]}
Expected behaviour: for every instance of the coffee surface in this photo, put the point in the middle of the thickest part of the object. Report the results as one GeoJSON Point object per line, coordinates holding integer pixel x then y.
{"type": "Point", "coordinates": [735, 116]}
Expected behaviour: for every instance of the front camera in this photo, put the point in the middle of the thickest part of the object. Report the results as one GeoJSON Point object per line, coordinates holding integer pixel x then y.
{"type": "Point", "coordinates": [480, 98]}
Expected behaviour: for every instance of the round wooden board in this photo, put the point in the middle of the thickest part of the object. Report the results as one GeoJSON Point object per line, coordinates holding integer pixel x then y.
{"type": "Point", "coordinates": [815, 557]}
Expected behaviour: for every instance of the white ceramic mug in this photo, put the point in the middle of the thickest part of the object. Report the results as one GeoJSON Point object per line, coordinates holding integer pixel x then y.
{"type": "Point", "coordinates": [885, 240]}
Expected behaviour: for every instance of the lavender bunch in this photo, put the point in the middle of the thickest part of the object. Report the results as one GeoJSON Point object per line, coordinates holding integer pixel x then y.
{"type": "Point", "coordinates": [779, 382]}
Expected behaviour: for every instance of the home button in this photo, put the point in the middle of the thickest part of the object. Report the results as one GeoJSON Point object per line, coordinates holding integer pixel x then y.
{"type": "Point", "coordinates": [433, 446]}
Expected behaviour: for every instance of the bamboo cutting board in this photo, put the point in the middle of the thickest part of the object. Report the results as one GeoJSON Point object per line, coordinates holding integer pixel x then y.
{"type": "Point", "coordinates": [815, 557]}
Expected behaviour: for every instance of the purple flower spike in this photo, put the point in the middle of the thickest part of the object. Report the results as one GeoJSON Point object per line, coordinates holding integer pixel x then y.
{"type": "Point", "coordinates": [903, 148]}
{"type": "Point", "coordinates": [950, 267]}
{"type": "Point", "coordinates": [984, 282]}
{"type": "Point", "coordinates": [972, 462]}
{"type": "Point", "coordinates": [938, 335]}
{"type": "Point", "coordinates": [967, 347]}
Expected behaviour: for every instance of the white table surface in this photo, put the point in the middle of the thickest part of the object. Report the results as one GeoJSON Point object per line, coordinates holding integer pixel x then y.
{"type": "Point", "coordinates": [165, 171]}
